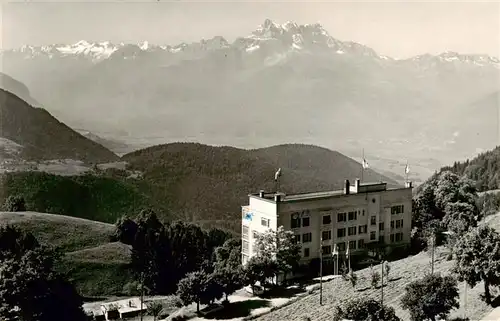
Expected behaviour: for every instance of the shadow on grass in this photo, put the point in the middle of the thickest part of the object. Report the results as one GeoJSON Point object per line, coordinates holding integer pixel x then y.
{"type": "Point", "coordinates": [282, 292]}
{"type": "Point", "coordinates": [495, 303]}
{"type": "Point", "coordinates": [238, 309]}
{"type": "Point", "coordinates": [93, 299]}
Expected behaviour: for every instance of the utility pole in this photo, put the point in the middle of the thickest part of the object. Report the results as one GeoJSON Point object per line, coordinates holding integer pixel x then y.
{"type": "Point", "coordinates": [465, 300]}
{"type": "Point", "coordinates": [382, 278]}
{"type": "Point", "coordinates": [432, 253]}
{"type": "Point", "coordinates": [321, 271]}
{"type": "Point", "coordinates": [142, 294]}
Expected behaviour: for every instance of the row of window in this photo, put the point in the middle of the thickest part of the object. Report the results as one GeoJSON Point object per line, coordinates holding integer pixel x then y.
{"type": "Point", "coordinates": [399, 223]}
{"type": "Point", "coordinates": [397, 209]}
{"type": "Point", "coordinates": [397, 237]}
{"type": "Point", "coordinates": [327, 235]}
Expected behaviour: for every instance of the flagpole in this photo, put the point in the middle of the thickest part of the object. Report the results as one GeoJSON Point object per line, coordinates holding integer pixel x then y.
{"type": "Point", "coordinates": [363, 165]}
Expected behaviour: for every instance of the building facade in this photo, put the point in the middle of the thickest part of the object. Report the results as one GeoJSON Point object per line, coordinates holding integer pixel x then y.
{"type": "Point", "coordinates": [350, 218]}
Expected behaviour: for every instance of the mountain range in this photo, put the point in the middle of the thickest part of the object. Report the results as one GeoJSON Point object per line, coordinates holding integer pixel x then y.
{"type": "Point", "coordinates": [282, 83]}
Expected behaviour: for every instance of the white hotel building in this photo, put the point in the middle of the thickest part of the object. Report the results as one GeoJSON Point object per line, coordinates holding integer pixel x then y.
{"type": "Point", "coordinates": [352, 217]}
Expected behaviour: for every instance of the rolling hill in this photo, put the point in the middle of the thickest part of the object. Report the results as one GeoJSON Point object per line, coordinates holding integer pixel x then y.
{"type": "Point", "coordinates": [42, 136]}
{"type": "Point", "coordinates": [209, 184]}
{"type": "Point", "coordinates": [76, 238]}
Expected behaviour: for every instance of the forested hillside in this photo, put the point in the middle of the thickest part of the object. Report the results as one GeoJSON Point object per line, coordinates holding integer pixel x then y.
{"type": "Point", "coordinates": [483, 169]}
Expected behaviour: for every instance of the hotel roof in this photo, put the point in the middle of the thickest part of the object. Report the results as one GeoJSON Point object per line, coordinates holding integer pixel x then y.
{"type": "Point", "coordinates": [359, 188]}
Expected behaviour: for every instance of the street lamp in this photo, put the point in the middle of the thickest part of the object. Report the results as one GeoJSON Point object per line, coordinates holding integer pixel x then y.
{"type": "Point", "coordinates": [321, 271]}
{"type": "Point", "coordinates": [382, 277]}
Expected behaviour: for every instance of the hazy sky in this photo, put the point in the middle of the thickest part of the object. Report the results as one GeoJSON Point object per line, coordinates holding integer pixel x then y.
{"type": "Point", "coordinates": [394, 28]}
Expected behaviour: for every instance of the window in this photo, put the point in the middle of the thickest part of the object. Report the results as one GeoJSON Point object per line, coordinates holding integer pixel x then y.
{"type": "Point", "coordinates": [305, 221]}
{"type": "Point", "coordinates": [397, 209]}
{"type": "Point", "coordinates": [398, 223]}
{"type": "Point", "coordinates": [362, 229]}
{"type": "Point", "coordinates": [361, 244]}
{"type": "Point", "coordinates": [295, 221]}
{"type": "Point", "coordinates": [392, 225]}
{"type": "Point", "coordinates": [399, 237]}
{"type": "Point", "coordinates": [306, 252]}
{"type": "Point", "coordinates": [352, 216]}
{"type": "Point", "coordinates": [363, 212]}
{"type": "Point", "coordinates": [381, 226]}
{"type": "Point", "coordinates": [341, 232]}
{"type": "Point", "coordinates": [326, 235]}
{"type": "Point", "coordinates": [255, 235]}
{"type": "Point", "coordinates": [351, 230]}
{"type": "Point", "coordinates": [381, 239]}
{"type": "Point", "coordinates": [306, 238]}
{"type": "Point", "coordinates": [373, 236]}
{"type": "Point", "coordinates": [341, 217]}
{"type": "Point", "coordinates": [392, 238]}
{"type": "Point", "coordinates": [373, 220]}
{"type": "Point", "coordinates": [352, 245]}
{"type": "Point", "coordinates": [244, 232]}
{"type": "Point", "coordinates": [245, 246]}
{"type": "Point", "coordinates": [327, 249]}
{"type": "Point", "coordinates": [244, 258]}
{"type": "Point", "coordinates": [297, 238]}
{"type": "Point", "coordinates": [341, 246]}
{"type": "Point", "coordinates": [327, 219]}
{"type": "Point", "coordinates": [401, 223]}
{"type": "Point", "coordinates": [264, 221]}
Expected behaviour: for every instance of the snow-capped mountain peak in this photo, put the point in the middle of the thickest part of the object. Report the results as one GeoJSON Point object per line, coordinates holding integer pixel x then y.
{"type": "Point", "coordinates": [99, 50]}
{"type": "Point", "coordinates": [270, 38]}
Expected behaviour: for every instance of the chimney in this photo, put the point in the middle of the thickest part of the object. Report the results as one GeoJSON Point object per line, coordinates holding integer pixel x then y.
{"type": "Point", "coordinates": [347, 187]}
{"type": "Point", "coordinates": [277, 198]}
{"type": "Point", "coordinates": [356, 185]}
{"type": "Point", "coordinates": [261, 193]}
{"type": "Point", "coordinates": [408, 184]}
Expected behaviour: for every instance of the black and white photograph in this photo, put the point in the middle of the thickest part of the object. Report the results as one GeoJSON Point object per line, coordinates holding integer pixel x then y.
{"type": "Point", "coordinates": [236, 160]}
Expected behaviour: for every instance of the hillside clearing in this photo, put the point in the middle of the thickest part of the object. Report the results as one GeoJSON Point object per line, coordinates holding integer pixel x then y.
{"type": "Point", "coordinates": [59, 231]}
{"type": "Point", "coordinates": [95, 266]}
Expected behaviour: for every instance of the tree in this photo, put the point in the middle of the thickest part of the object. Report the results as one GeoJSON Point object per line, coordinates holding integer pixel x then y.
{"type": "Point", "coordinates": [460, 217]}
{"type": "Point", "coordinates": [375, 277]}
{"type": "Point", "coordinates": [227, 266]}
{"type": "Point", "coordinates": [432, 296]}
{"type": "Point", "coordinates": [478, 258]}
{"type": "Point", "coordinates": [190, 288]}
{"type": "Point", "coordinates": [132, 288]}
{"type": "Point", "coordinates": [365, 310]}
{"type": "Point", "coordinates": [353, 278]}
{"type": "Point", "coordinates": [259, 269]}
{"type": "Point", "coordinates": [200, 288]}
{"type": "Point", "coordinates": [30, 289]}
{"type": "Point", "coordinates": [14, 203]}
{"type": "Point", "coordinates": [387, 270]}
{"type": "Point", "coordinates": [211, 289]}
{"type": "Point", "coordinates": [154, 309]}
{"type": "Point", "coordinates": [125, 230]}
{"type": "Point", "coordinates": [488, 204]}
{"type": "Point", "coordinates": [282, 247]}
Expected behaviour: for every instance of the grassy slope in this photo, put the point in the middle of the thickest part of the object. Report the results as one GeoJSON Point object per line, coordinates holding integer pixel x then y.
{"type": "Point", "coordinates": [97, 267]}
{"type": "Point", "coordinates": [402, 273]}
